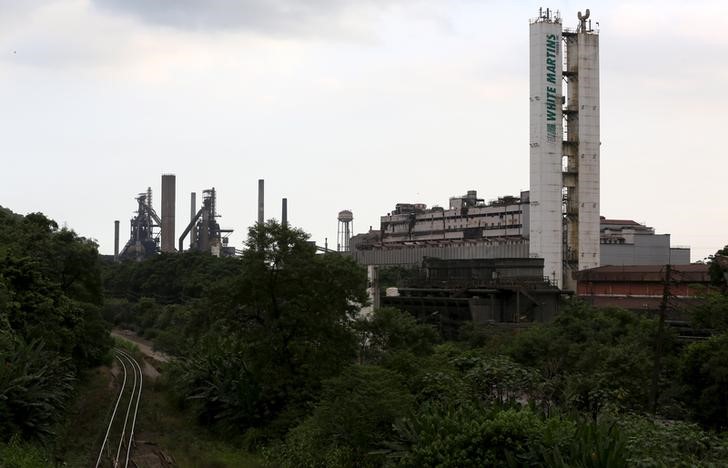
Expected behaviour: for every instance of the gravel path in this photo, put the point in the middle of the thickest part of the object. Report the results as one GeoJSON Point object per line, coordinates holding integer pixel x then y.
{"type": "Point", "coordinates": [145, 346]}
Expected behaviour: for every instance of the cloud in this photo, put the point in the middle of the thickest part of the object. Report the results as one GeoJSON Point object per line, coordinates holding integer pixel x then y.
{"type": "Point", "coordinates": [62, 35]}
{"type": "Point", "coordinates": [279, 17]}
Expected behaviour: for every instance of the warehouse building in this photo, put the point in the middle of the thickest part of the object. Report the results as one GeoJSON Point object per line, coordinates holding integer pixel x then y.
{"type": "Point", "coordinates": [472, 228]}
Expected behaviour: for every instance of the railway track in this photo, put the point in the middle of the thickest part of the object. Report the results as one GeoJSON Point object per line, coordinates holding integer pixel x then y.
{"type": "Point", "coordinates": [116, 446]}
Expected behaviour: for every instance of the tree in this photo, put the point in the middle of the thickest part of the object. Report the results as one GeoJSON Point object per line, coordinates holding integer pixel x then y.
{"type": "Point", "coordinates": [593, 357]}
{"type": "Point", "coordinates": [292, 312]}
{"type": "Point", "coordinates": [704, 372]}
{"type": "Point", "coordinates": [50, 323]}
{"type": "Point", "coordinates": [718, 266]}
{"type": "Point", "coordinates": [355, 414]}
{"type": "Point", "coordinates": [389, 330]}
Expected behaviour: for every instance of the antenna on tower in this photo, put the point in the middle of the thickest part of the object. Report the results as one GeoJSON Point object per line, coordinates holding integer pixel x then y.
{"type": "Point", "coordinates": [582, 19]}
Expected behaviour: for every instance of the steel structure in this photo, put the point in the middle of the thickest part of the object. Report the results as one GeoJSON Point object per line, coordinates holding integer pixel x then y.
{"type": "Point", "coordinates": [143, 236]}
{"type": "Point", "coordinates": [205, 232]}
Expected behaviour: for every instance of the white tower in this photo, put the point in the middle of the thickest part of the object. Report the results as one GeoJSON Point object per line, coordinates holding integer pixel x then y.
{"type": "Point", "coordinates": [546, 226]}
{"type": "Point", "coordinates": [564, 209]}
{"type": "Point", "coordinates": [581, 149]}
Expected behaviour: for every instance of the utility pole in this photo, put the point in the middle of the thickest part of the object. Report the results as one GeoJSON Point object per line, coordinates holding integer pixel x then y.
{"type": "Point", "coordinates": [666, 293]}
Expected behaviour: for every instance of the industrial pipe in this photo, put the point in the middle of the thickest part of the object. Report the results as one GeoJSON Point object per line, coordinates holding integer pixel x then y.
{"type": "Point", "coordinates": [189, 228]}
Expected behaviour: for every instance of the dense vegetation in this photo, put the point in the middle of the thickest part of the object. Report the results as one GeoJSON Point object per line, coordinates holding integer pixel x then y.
{"type": "Point", "coordinates": [275, 355]}
{"type": "Point", "coordinates": [50, 323]}
{"type": "Point", "coordinates": [272, 352]}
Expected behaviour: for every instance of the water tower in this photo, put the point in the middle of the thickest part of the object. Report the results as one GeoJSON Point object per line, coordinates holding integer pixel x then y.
{"type": "Point", "coordinates": [346, 224]}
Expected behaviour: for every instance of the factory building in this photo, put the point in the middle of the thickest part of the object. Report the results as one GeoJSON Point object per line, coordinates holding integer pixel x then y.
{"type": "Point", "coordinates": [627, 242]}
{"type": "Point", "coordinates": [472, 228]}
{"type": "Point", "coordinates": [558, 219]}
{"type": "Point", "coordinates": [504, 290]}
{"type": "Point", "coordinates": [467, 218]}
{"type": "Point", "coordinates": [644, 287]}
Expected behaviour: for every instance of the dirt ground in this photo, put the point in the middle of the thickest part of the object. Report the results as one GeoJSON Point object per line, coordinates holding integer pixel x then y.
{"type": "Point", "coordinates": [145, 346]}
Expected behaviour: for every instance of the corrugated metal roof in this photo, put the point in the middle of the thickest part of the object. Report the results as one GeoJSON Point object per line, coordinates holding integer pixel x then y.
{"type": "Point", "coordinates": [620, 221]}
{"type": "Point", "coordinates": [696, 272]}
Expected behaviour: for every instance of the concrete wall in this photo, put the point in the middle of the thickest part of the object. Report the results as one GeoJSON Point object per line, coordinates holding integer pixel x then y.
{"type": "Point", "coordinates": [646, 250]}
{"type": "Point", "coordinates": [680, 256]}
{"type": "Point", "coordinates": [413, 255]}
{"type": "Point", "coordinates": [588, 153]}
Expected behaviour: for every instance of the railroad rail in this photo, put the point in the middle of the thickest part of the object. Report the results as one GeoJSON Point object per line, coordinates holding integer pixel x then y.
{"type": "Point", "coordinates": [119, 437]}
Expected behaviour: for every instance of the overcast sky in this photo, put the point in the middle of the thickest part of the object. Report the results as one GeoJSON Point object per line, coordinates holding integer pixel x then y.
{"type": "Point", "coordinates": [346, 104]}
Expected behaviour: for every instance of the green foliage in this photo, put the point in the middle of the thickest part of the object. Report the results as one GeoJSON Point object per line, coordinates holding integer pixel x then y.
{"type": "Point", "coordinates": [464, 436]}
{"type": "Point", "coordinates": [35, 385]}
{"type": "Point", "coordinates": [19, 454]}
{"type": "Point", "coordinates": [389, 330]}
{"type": "Point", "coordinates": [50, 323]}
{"type": "Point", "coordinates": [356, 412]}
{"type": "Point", "coordinates": [704, 372]}
{"type": "Point", "coordinates": [267, 345]}
{"type": "Point", "coordinates": [288, 322]}
{"type": "Point", "coordinates": [216, 382]}
{"type": "Point", "coordinates": [168, 278]}
{"type": "Point", "coordinates": [655, 443]}
{"type": "Point", "coordinates": [592, 444]}
{"type": "Point", "coordinates": [499, 379]}
{"type": "Point", "coordinates": [592, 358]}
{"type": "Point", "coordinates": [711, 312]}
{"type": "Point", "coordinates": [717, 275]}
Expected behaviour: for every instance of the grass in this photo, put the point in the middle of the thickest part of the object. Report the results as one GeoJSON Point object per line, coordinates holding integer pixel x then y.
{"type": "Point", "coordinates": [161, 427]}
{"type": "Point", "coordinates": [80, 436]}
{"type": "Point", "coordinates": [177, 434]}
{"type": "Point", "coordinates": [127, 346]}
{"type": "Point", "coordinates": [180, 437]}
{"type": "Point", "coordinates": [19, 454]}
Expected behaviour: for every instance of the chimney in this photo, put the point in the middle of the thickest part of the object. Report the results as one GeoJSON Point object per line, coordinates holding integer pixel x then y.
{"type": "Point", "coordinates": [168, 205]}
{"type": "Point", "coordinates": [116, 241]}
{"type": "Point", "coordinates": [261, 195]}
{"type": "Point", "coordinates": [284, 212]}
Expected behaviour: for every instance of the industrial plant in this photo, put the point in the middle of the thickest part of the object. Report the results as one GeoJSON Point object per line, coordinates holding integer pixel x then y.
{"type": "Point", "coordinates": [524, 250]}
{"type": "Point", "coordinates": [558, 219]}
{"type": "Point", "coordinates": [150, 234]}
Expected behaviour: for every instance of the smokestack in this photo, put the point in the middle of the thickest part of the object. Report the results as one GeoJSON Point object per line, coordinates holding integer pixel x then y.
{"type": "Point", "coordinates": [116, 241]}
{"type": "Point", "coordinates": [193, 206]}
{"type": "Point", "coordinates": [284, 212]}
{"type": "Point", "coordinates": [261, 201]}
{"type": "Point", "coordinates": [168, 205]}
